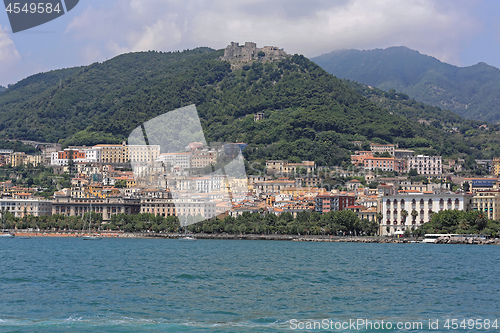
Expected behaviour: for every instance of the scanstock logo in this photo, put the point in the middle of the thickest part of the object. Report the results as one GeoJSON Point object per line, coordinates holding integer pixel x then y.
{"type": "Point", "coordinates": [26, 14]}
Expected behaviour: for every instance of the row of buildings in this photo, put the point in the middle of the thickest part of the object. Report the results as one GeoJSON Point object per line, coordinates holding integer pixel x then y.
{"type": "Point", "coordinates": [159, 185]}
{"type": "Point", "coordinates": [399, 160]}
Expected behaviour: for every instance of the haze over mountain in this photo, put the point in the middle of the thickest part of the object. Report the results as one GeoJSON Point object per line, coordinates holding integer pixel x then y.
{"type": "Point", "coordinates": [309, 114]}
{"type": "Point", "coordinates": [472, 92]}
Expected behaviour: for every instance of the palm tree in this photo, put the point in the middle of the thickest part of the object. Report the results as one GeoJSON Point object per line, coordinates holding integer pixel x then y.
{"type": "Point", "coordinates": [404, 214]}
{"type": "Point", "coordinates": [414, 215]}
{"type": "Point", "coordinates": [379, 217]}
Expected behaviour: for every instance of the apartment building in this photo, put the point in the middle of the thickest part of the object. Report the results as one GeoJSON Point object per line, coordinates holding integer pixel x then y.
{"type": "Point", "coordinates": [282, 167]}
{"type": "Point", "coordinates": [143, 153]}
{"type": "Point", "coordinates": [496, 166]}
{"type": "Point", "coordinates": [113, 153]}
{"type": "Point", "coordinates": [382, 148]}
{"type": "Point", "coordinates": [176, 161]}
{"type": "Point", "coordinates": [329, 203]}
{"type": "Point", "coordinates": [426, 165]}
{"type": "Point", "coordinates": [203, 158]}
{"type": "Point", "coordinates": [384, 164]}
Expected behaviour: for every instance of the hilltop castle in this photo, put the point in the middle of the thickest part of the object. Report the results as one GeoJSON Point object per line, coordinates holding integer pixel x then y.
{"type": "Point", "coordinates": [249, 52]}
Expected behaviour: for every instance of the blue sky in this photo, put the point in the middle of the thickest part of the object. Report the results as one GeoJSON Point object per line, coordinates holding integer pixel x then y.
{"type": "Point", "coordinates": [460, 32]}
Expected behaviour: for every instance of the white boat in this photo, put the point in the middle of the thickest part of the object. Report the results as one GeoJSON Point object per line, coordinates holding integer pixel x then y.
{"type": "Point", "coordinates": [187, 238]}
{"type": "Point", "coordinates": [432, 238]}
{"type": "Point", "coordinates": [184, 225]}
{"type": "Point", "coordinates": [91, 236]}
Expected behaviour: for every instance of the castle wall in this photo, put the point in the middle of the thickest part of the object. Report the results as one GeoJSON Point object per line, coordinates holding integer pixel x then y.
{"type": "Point", "coordinates": [249, 52]}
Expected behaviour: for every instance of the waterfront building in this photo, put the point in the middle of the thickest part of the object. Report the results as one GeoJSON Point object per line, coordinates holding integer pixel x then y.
{"type": "Point", "coordinates": [488, 203]}
{"type": "Point", "coordinates": [363, 213]}
{"type": "Point", "coordinates": [195, 207]}
{"type": "Point", "coordinates": [106, 207]}
{"type": "Point", "coordinates": [26, 206]}
{"type": "Point", "coordinates": [419, 208]}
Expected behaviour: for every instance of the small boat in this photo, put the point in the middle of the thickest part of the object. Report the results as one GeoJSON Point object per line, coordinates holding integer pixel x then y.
{"type": "Point", "coordinates": [184, 226]}
{"type": "Point", "coordinates": [91, 236]}
{"type": "Point", "coordinates": [187, 238]}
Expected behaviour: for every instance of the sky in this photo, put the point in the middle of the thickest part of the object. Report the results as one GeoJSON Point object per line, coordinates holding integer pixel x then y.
{"type": "Point", "coordinates": [459, 32]}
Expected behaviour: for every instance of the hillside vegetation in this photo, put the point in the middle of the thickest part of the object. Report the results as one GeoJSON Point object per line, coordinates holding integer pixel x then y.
{"type": "Point", "coordinates": [472, 92]}
{"type": "Point", "coordinates": [309, 114]}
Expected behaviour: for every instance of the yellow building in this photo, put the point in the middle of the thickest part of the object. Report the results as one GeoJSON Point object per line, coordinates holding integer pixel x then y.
{"type": "Point", "coordinates": [488, 203]}
{"type": "Point", "coordinates": [17, 159]}
{"type": "Point", "coordinates": [114, 153]}
{"type": "Point", "coordinates": [34, 160]}
{"type": "Point", "coordinates": [203, 158]}
{"type": "Point", "coordinates": [143, 153]}
{"type": "Point", "coordinates": [496, 166]}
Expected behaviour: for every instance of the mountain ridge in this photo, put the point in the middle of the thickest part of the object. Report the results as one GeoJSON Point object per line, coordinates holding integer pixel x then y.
{"type": "Point", "coordinates": [309, 114]}
{"type": "Point", "coordinates": [471, 91]}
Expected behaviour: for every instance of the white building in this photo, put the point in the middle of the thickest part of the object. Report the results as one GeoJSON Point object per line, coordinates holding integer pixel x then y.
{"type": "Point", "coordinates": [143, 153]}
{"type": "Point", "coordinates": [87, 155]}
{"type": "Point", "coordinates": [195, 207]}
{"type": "Point", "coordinates": [177, 161]}
{"type": "Point", "coordinates": [92, 155]}
{"type": "Point", "coordinates": [424, 205]}
{"type": "Point", "coordinates": [23, 207]}
{"type": "Point", "coordinates": [426, 165]}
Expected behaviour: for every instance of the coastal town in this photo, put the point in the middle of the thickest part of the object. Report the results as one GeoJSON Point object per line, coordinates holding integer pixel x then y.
{"type": "Point", "coordinates": [395, 188]}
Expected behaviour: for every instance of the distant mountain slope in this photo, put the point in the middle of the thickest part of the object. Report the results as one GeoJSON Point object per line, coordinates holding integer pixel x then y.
{"type": "Point", "coordinates": [472, 92]}
{"type": "Point", "coordinates": [309, 114]}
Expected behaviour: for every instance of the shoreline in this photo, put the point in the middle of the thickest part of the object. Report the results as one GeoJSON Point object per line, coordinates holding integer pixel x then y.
{"type": "Point", "coordinates": [295, 238]}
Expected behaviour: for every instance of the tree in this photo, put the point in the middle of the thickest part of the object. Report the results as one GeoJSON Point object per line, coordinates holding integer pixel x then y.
{"type": "Point", "coordinates": [404, 214]}
{"type": "Point", "coordinates": [413, 173]}
{"type": "Point", "coordinates": [122, 183]}
{"type": "Point", "coordinates": [414, 215]}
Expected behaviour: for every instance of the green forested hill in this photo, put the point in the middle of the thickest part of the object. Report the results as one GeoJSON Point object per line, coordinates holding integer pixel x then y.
{"type": "Point", "coordinates": [472, 92]}
{"type": "Point", "coordinates": [309, 114]}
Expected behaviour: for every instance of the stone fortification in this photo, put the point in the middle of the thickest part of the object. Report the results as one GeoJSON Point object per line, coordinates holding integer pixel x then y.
{"type": "Point", "coordinates": [250, 52]}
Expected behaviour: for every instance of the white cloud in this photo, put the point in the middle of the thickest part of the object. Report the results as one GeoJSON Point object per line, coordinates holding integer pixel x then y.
{"type": "Point", "coordinates": [308, 27]}
{"type": "Point", "coordinates": [9, 58]}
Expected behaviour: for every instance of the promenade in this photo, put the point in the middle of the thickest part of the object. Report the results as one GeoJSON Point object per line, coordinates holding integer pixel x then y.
{"type": "Point", "coordinates": [274, 237]}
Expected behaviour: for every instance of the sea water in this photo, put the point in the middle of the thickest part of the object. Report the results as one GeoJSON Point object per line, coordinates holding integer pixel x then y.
{"type": "Point", "coordinates": [156, 285]}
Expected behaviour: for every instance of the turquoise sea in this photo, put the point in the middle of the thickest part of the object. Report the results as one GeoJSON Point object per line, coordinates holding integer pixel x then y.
{"type": "Point", "coordinates": [158, 285]}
